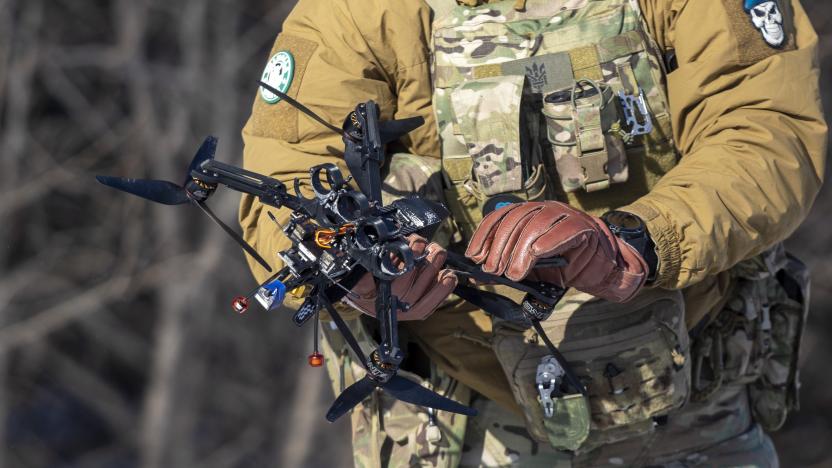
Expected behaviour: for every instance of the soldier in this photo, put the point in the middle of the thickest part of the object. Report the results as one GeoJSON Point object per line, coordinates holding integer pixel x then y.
{"type": "Point", "coordinates": [663, 147]}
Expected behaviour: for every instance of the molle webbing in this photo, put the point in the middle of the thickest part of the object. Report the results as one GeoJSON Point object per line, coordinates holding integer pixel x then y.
{"type": "Point", "coordinates": [561, 71]}
{"type": "Point", "coordinates": [562, 67]}
{"type": "Point", "coordinates": [553, 46]}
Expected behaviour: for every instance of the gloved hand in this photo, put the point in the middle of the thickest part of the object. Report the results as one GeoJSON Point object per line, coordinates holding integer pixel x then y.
{"type": "Point", "coordinates": [423, 288]}
{"type": "Point", "coordinates": [509, 242]}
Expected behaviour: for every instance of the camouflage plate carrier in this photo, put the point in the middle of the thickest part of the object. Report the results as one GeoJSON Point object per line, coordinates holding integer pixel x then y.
{"type": "Point", "coordinates": [566, 100]}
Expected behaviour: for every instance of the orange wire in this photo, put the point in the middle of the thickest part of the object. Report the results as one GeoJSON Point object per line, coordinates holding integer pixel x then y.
{"type": "Point", "coordinates": [325, 237]}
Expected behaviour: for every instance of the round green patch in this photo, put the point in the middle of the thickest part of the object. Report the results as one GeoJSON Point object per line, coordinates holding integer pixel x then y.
{"type": "Point", "coordinates": [278, 73]}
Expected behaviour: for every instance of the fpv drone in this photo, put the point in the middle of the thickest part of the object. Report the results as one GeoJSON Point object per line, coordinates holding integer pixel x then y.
{"type": "Point", "coordinates": [343, 234]}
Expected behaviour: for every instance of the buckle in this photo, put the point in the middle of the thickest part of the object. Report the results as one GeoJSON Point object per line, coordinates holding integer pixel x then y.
{"type": "Point", "coordinates": [549, 377]}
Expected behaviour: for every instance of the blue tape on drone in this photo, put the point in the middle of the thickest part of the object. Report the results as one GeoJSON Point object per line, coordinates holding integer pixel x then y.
{"type": "Point", "coordinates": [276, 289]}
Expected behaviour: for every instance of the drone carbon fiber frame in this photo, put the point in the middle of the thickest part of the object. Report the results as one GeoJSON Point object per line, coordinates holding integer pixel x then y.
{"type": "Point", "coordinates": [340, 236]}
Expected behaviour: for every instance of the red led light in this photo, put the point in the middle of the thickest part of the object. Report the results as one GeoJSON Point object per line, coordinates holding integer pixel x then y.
{"type": "Point", "coordinates": [240, 304]}
{"type": "Point", "coordinates": [316, 359]}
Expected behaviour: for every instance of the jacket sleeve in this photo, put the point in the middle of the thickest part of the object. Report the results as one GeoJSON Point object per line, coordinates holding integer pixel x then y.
{"type": "Point", "coordinates": [748, 123]}
{"type": "Point", "coordinates": [344, 52]}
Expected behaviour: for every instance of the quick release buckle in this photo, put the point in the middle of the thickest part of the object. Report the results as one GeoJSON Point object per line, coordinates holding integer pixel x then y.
{"type": "Point", "coordinates": [549, 377]}
{"type": "Point", "coordinates": [636, 114]}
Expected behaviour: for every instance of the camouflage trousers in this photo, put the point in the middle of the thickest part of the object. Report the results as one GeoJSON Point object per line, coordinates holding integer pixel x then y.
{"type": "Point", "coordinates": [718, 431]}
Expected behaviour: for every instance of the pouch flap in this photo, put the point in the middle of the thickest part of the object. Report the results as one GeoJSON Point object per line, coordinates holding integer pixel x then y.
{"type": "Point", "coordinates": [568, 428]}
{"type": "Point", "coordinates": [488, 113]}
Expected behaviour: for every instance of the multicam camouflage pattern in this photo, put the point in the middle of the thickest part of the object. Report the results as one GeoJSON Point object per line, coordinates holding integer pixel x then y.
{"type": "Point", "coordinates": [596, 40]}
{"type": "Point", "coordinates": [587, 140]}
{"type": "Point", "coordinates": [717, 433]}
{"type": "Point", "coordinates": [488, 114]}
{"type": "Point", "coordinates": [498, 437]}
{"type": "Point", "coordinates": [755, 339]}
{"type": "Point", "coordinates": [633, 358]}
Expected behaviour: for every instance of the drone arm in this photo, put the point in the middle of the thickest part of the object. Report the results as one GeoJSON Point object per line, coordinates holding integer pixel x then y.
{"type": "Point", "coordinates": [269, 190]}
{"type": "Point", "coordinates": [463, 265]}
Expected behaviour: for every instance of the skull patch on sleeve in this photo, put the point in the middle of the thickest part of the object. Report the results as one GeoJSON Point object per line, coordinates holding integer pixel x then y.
{"type": "Point", "coordinates": [767, 18]}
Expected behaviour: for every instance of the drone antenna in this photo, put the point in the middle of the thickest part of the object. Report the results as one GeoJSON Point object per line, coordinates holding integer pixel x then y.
{"type": "Point", "coordinates": [274, 218]}
{"type": "Point", "coordinates": [245, 245]}
{"type": "Point", "coordinates": [311, 114]}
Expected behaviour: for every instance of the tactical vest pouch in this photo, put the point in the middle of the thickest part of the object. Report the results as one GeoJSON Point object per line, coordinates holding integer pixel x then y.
{"type": "Point", "coordinates": [487, 118]}
{"type": "Point", "coordinates": [755, 338]}
{"type": "Point", "coordinates": [632, 357]}
{"type": "Point", "coordinates": [584, 128]}
{"type": "Point", "coordinates": [487, 112]}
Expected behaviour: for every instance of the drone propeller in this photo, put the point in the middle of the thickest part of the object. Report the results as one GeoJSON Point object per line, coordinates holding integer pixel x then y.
{"type": "Point", "coordinates": [497, 305]}
{"type": "Point", "coordinates": [159, 191]}
{"type": "Point", "coordinates": [399, 387]}
{"type": "Point", "coordinates": [392, 130]}
{"type": "Point", "coordinates": [162, 191]}
{"type": "Point", "coordinates": [204, 153]}
{"type": "Point", "coordinates": [350, 398]}
{"type": "Point", "coordinates": [191, 191]}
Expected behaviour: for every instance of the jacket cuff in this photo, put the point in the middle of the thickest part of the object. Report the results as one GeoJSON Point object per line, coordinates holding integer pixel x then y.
{"type": "Point", "coordinates": [666, 240]}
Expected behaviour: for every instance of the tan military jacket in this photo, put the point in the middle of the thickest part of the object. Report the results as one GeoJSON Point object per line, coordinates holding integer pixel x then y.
{"type": "Point", "coordinates": [747, 121]}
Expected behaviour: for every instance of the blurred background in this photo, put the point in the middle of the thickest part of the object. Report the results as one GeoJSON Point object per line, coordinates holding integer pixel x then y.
{"type": "Point", "coordinates": [118, 347]}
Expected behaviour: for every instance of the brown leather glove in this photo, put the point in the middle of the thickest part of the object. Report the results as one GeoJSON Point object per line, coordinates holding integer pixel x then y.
{"type": "Point", "coordinates": [509, 242]}
{"type": "Point", "coordinates": [423, 288]}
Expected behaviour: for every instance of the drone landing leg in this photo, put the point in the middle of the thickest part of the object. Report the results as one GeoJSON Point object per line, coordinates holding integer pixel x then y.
{"type": "Point", "coordinates": [387, 308]}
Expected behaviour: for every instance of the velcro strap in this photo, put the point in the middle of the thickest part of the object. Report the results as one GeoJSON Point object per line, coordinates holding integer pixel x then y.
{"type": "Point", "coordinates": [488, 71]}
{"type": "Point", "coordinates": [457, 169]}
{"type": "Point", "coordinates": [586, 63]}
{"type": "Point", "coordinates": [595, 170]}
{"type": "Point", "coordinates": [588, 122]}
{"type": "Point", "coordinates": [544, 73]}
{"type": "Point", "coordinates": [592, 147]}
{"type": "Point", "coordinates": [628, 78]}
{"type": "Point", "coordinates": [561, 71]}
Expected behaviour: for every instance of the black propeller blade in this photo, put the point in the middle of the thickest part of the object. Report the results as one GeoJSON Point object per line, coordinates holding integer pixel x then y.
{"type": "Point", "coordinates": [349, 398]}
{"type": "Point", "coordinates": [495, 304]}
{"type": "Point", "coordinates": [159, 191]}
{"type": "Point", "coordinates": [204, 153]}
{"type": "Point", "coordinates": [168, 193]}
{"type": "Point", "coordinates": [162, 191]}
{"type": "Point", "coordinates": [411, 392]}
{"type": "Point", "coordinates": [399, 387]}
{"type": "Point", "coordinates": [392, 130]}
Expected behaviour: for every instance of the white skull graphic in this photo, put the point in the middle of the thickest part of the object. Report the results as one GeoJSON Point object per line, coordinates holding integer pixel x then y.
{"type": "Point", "coordinates": [768, 19]}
